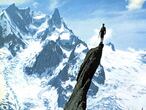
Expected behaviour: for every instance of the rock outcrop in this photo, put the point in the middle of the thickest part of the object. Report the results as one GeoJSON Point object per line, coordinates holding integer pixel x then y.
{"type": "Point", "coordinates": [111, 45]}
{"type": "Point", "coordinates": [78, 98]}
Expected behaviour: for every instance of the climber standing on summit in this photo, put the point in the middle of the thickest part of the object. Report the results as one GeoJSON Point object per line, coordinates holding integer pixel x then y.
{"type": "Point", "coordinates": [102, 32]}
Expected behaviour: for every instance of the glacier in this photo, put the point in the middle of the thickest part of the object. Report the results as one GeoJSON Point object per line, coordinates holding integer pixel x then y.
{"type": "Point", "coordinates": [40, 59]}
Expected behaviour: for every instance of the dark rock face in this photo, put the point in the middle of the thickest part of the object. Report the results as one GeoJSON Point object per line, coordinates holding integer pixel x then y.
{"type": "Point", "coordinates": [56, 20]}
{"type": "Point", "coordinates": [20, 17]}
{"type": "Point", "coordinates": [112, 46]}
{"type": "Point", "coordinates": [1, 30]}
{"type": "Point", "coordinates": [101, 77]}
{"type": "Point", "coordinates": [78, 98]}
{"type": "Point", "coordinates": [7, 106]}
{"type": "Point", "coordinates": [56, 82]}
{"type": "Point", "coordinates": [12, 19]}
{"type": "Point", "coordinates": [143, 58]}
{"type": "Point", "coordinates": [49, 57]}
{"type": "Point", "coordinates": [14, 43]}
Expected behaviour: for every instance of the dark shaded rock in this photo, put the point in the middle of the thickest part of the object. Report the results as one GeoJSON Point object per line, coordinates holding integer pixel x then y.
{"type": "Point", "coordinates": [1, 30]}
{"type": "Point", "coordinates": [93, 89]}
{"type": "Point", "coordinates": [143, 58]}
{"type": "Point", "coordinates": [78, 98]}
{"type": "Point", "coordinates": [56, 19]}
{"type": "Point", "coordinates": [112, 46]}
{"type": "Point", "coordinates": [61, 97]}
{"type": "Point", "coordinates": [67, 28]}
{"type": "Point", "coordinates": [54, 22]}
{"type": "Point", "coordinates": [20, 17]}
{"type": "Point", "coordinates": [38, 22]}
{"type": "Point", "coordinates": [48, 58]}
{"type": "Point", "coordinates": [14, 43]}
{"type": "Point", "coordinates": [7, 106]}
{"type": "Point", "coordinates": [69, 44]}
{"type": "Point", "coordinates": [101, 77]}
{"type": "Point", "coordinates": [57, 83]}
{"type": "Point", "coordinates": [45, 34]}
{"type": "Point", "coordinates": [28, 105]}
{"type": "Point", "coordinates": [63, 74]}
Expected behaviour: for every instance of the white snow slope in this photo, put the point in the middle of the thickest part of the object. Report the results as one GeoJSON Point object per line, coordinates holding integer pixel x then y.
{"type": "Point", "coordinates": [125, 71]}
{"type": "Point", "coordinates": [124, 88]}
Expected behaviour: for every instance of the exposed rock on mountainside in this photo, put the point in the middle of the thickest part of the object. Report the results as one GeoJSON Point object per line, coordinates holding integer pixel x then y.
{"type": "Point", "coordinates": [78, 98]}
{"type": "Point", "coordinates": [112, 46]}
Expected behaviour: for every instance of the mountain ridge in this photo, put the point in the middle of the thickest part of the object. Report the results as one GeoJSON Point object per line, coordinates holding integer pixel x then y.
{"type": "Point", "coordinates": [49, 84]}
{"type": "Point", "coordinates": [59, 51]}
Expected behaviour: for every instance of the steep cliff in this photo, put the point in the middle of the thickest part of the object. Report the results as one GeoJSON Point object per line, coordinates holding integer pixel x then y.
{"type": "Point", "coordinates": [78, 98]}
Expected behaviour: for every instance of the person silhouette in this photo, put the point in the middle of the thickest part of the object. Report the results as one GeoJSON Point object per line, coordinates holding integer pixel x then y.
{"type": "Point", "coordinates": [102, 32]}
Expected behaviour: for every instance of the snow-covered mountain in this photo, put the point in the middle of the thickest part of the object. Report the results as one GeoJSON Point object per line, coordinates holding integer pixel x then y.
{"type": "Point", "coordinates": [50, 51]}
{"type": "Point", "coordinates": [40, 58]}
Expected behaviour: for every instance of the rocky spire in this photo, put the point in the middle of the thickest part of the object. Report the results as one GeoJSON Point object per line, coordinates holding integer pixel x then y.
{"type": "Point", "coordinates": [56, 19]}
{"type": "Point", "coordinates": [91, 62]}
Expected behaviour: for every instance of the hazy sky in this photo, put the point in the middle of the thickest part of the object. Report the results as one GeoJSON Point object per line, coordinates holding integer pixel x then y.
{"type": "Point", "coordinates": [125, 19]}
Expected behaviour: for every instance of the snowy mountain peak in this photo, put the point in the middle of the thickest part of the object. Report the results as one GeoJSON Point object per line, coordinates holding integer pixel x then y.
{"type": "Point", "coordinates": [20, 18]}
{"type": "Point", "coordinates": [56, 19]}
{"type": "Point", "coordinates": [56, 12]}
{"type": "Point", "coordinates": [42, 71]}
{"type": "Point", "coordinates": [12, 7]}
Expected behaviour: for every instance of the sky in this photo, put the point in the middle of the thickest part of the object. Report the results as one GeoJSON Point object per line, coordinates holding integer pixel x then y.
{"type": "Point", "coordinates": [125, 20]}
